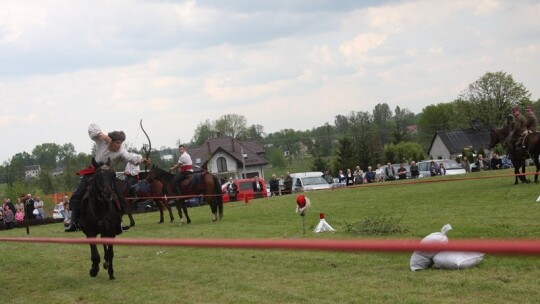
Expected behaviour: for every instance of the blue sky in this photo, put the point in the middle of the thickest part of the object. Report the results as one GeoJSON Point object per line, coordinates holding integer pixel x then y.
{"type": "Point", "coordinates": [281, 64]}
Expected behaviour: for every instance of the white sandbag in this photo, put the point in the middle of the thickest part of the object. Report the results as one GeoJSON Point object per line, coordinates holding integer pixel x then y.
{"type": "Point", "coordinates": [457, 259]}
{"type": "Point", "coordinates": [424, 259]}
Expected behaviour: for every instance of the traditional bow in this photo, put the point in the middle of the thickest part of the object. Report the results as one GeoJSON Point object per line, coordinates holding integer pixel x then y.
{"type": "Point", "coordinates": [147, 152]}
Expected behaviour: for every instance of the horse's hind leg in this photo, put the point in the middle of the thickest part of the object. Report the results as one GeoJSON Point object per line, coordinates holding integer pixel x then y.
{"type": "Point", "coordinates": [166, 205]}
{"type": "Point", "coordinates": [108, 264]}
{"type": "Point", "coordinates": [94, 256]}
{"type": "Point", "coordinates": [213, 207]}
{"type": "Point", "coordinates": [184, 208]}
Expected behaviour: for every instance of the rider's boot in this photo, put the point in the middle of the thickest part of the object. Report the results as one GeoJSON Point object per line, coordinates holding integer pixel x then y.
{"type": "Point", "coordinates": [74, 225]}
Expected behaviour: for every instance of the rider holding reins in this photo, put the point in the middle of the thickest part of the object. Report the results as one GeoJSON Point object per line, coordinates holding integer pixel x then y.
{"type": "Point", "coordinates": [107, 146]}
{"type": "Point", "coordinates": [186, 168]}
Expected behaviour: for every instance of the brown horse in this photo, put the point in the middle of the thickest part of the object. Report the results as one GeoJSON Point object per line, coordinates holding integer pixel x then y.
{"type": "Point", "coordinates": [498, 136]}
{"type": "Point", "coordinates": [532, 144]}
{"type": "Point", "coordinates": [154, 190]}
{"type": "Point", "coordinates": [193, 185]}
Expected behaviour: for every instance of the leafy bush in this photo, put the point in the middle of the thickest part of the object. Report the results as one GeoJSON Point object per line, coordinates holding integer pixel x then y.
{"type": "Point", "coordinates": [376, 225]}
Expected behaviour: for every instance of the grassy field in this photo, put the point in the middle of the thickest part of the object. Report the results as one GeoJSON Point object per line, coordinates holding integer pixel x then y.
{"type": "Point", "coordinates": [487, 208]}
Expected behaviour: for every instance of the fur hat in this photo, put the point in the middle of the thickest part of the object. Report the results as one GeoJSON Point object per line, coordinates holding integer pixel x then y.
{"type": "Point", "coordinates": [117, 135]}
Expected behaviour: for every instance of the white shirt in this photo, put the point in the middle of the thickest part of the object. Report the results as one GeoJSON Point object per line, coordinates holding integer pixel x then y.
{"type": "Point", "coordinates": [185, 159]}
{"type": "Point", "coordinates": [132, 169]}
{"type": "Point", "coordinates": [103, 152]}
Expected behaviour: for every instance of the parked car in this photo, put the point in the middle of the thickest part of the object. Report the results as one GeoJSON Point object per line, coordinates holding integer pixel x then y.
{"type": "Point", "coordinates": [245, 189]}
{"type": "Point", "coordinates": [452, 167]}
{"type": "Point", "coordinates": [308, 181]}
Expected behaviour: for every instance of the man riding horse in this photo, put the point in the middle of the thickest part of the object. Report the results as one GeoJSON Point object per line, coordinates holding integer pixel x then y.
{"type": "Point", "coordinates": [532, 123]}
{"type": "Point", "coordinates": [515, 137]}
{"type": "Point", "coordinates": [107, 146]}
{"type": "Point", "coordinates": [185, 165]}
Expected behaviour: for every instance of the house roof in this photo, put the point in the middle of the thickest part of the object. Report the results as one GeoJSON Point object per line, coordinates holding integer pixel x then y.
{"type": "Point", "coordinates": [456, 140]}
{"type": "Point", "coordinates": [232, 147]}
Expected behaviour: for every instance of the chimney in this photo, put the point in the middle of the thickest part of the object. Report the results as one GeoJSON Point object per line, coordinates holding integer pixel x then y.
{"type": "Point", "coordinates": [232, 143]}
{"type": "Point", "coordinates": [208, 146]}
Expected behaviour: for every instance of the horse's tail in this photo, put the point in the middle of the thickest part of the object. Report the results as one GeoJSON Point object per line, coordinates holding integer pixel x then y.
{"type": "Point", "coordinates": [217, 193]}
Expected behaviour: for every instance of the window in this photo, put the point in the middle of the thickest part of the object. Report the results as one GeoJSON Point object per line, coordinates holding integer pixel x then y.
{"type": "Point", "coordinates": [222, 164]}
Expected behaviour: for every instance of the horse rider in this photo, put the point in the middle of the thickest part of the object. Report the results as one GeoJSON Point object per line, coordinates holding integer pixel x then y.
{"type": "Point", "coordinates": [186, 168]}
{"type": "Point", "coordinates": [519, 130]}
{"type": "Point", "coordinates": [531, 124]}
{"type": "Point", "coordinates": [108, 146]}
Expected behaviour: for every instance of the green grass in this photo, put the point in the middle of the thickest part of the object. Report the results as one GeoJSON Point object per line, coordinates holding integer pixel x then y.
{"type": "Point", "coordinates": [487, 208]}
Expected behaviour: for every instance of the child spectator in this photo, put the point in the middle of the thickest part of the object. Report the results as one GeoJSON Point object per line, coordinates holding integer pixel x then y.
{"type": "Point", "coordinates": [19, 216]}
{"type": "Point", "coordinates": [8, 218]}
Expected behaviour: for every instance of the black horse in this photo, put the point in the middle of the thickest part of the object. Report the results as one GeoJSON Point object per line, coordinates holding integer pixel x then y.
{"type": "Point", "coordinates": [193, 185]}
{"type": "Point", "coordinates": [517, 154]}
{"type": "Point", "coordinates": [100, 214]}
{"type": "Point", "coordinates": [532, 144]}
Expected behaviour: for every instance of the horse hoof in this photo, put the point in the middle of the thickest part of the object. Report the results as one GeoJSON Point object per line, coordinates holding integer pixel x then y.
{"type": "Point", "coordinates": [105, 265]}
{"type": "Point", "coordinates": [94, 272]}
{"type": "Point", "coordinates": [111, 277]}
{"type": "Point", "coordinates": [189, 221]}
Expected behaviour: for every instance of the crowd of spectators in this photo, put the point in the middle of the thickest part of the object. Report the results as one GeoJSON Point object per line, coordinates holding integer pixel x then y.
{"type": "Point", "coordinates": [31, 208]}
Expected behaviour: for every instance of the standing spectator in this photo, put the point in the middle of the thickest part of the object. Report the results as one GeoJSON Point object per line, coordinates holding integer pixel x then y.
{"type": "Point", "coordinates": [38, 205]}
{"type": "Point", "coordinates": [29, 206]}
{"type": "Point", "coordinates": [433, 168]}
{"type": "Point", "coordinates": [274, 185]}
{"type": "Point", "coordinates": [349, 178]}
{"type": "Point", "coordinates": [389, 172]}
{"type": "Point", "coordinates": [7, 202]}
{"type": "Point", "coordinates": [342, 179]}
{"type": "Point", "coordinates": [19, 206]}
{"type": "Point", "coordinates": [465, 164]}
{"type": "Point", "coordinates": [481, 163]}
{"type": "Point", "coordinates": [402, 171]}
{"type": "Point", "coordinates": [257, 187]}
{"type": "Point", "coordinates": [9, 218]}
{"type": "Point", "coordinates": [287, 184]}
{"type": "Point", "coordinates": [358, 176]}
{"type": "Point", "coordinates": [496, 162]}
{"type": "Point", "coordinates": [442, 169]}
{"type": "Point", "coordinates": [131, 172]}
{"type": "Point", "coordinates": [232, 190]}
{"type": "Point", "coordinates": [328, 177]}
{"type": "Point", "coordinates": [379, 174]}
{"type": "Point", "coordinates": [370, 175]}
{"type": "Point", "coordinates": [415, 173]}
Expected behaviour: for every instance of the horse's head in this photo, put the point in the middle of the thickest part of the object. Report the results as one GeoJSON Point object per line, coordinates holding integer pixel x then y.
{"type": "Point", "coordinates": [155, 173]}
{"type": "Point", "coordinates": [496, 136]}
{"type": "Point", "coordinates": [103, 180]}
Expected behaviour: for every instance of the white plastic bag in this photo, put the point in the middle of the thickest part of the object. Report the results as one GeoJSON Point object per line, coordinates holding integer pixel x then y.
{"type": "Point", "coordinates": [35, 212]}
{"type": "Point", "coordinates": [457, 259]}
{"type": "Point", "coordinates": [422, 259]}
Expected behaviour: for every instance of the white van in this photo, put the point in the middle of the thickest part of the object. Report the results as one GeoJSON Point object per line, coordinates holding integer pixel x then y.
{"type": "Point", "coordinates": [308, 181]}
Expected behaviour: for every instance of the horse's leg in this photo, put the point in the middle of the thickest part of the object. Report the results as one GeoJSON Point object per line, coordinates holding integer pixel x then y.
{"type": "Point", "coordinates": [129, 211]}
{"type": "Point", "coordinates": [94, 256]}
{"type": "Point", "coordinates": [108, 264]}
{"type": "Point", "coordinates": [166, 205]}
{"type": "Point", "coordinates": [524, 178]}
{"type": "Point", "coordinates": [184, 208]}
{"type": "Point", "coordinates": [178, 204]}
{"type": "Point", "coordinates": [537, 165]}
{"type": "Point", "coordinates": [213, 207]}
{"type": "Point", "coordinates": [160, 208]}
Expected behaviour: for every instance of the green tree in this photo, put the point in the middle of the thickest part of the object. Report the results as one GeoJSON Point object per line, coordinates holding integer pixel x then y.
{"type": "Point", "coordinates": [345, 158]}
{"type": "Point", "coordinates": [382, 116]}
{"type": "Point", "coordinates": [490, 98]}
{"type": "Point", "coordinates": [435, 118]}
{"type": "Point", "coordinates": [204, 131]}
{"type": "Point", "coordinates": [275, 157]}
{"type": "Point", "coordinates": [231, 125]}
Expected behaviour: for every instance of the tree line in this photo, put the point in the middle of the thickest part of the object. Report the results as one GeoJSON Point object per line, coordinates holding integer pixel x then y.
{"type": "Point", "coordinates": [357, 138]}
